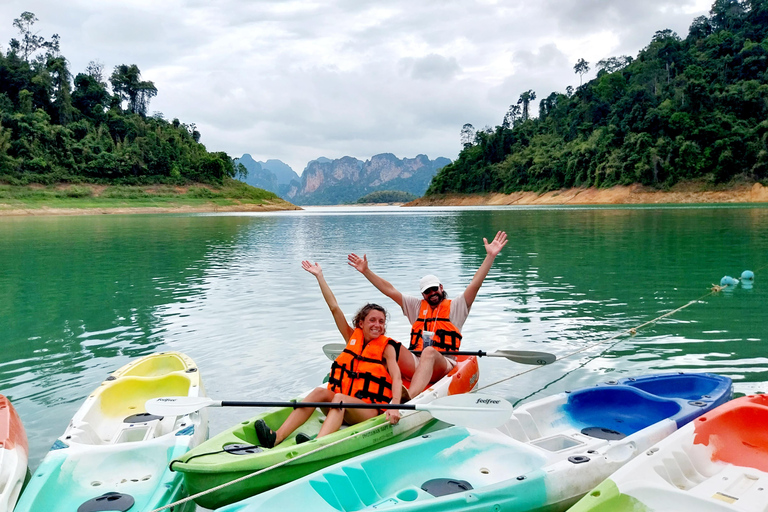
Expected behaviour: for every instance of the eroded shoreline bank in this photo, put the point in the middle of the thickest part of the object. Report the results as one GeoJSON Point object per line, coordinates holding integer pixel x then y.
{"type": "Point", "coordinates": [633, 194]}
{"type": "Point", "coordinates": [619, 195]}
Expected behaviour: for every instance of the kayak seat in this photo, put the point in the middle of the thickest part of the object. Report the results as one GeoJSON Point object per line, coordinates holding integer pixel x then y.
{"type": "Point", "coordinates": [736, 434]}
{"type": "Point", "coordinates": [621, 409]}
{"type": "Point", "coordinates": [125, 398]}
{"type": "Point", "coordinates": [128, 395]}
{"type": "Point", "coordinates": [688, 386]}
{"type": "Point", "coordinates": [157, 365]}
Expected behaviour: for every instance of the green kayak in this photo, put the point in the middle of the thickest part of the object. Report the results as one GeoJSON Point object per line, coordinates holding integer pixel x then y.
{"type": "Point", "coordinates": [235, 453]}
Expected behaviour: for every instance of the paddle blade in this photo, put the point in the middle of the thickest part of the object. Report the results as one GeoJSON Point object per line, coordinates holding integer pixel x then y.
{"type": "Point", "coordinates": [332, 350]}
{"type": "Point", "coordinates": [526, 357]}
{"type": "Point", "coordinates": [178, 405]}
{"type": "Point", "coordinates": [472, 410]}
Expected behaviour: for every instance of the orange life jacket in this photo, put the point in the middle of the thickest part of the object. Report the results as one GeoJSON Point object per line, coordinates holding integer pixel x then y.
{"type": "Point", "coordinates": [361, 371]}
{"type": "Point", "coordinates": [437, 320]}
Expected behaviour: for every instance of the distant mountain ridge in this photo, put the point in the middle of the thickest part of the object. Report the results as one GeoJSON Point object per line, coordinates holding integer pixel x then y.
{"type": "Point", "coordinates": [343, 180]}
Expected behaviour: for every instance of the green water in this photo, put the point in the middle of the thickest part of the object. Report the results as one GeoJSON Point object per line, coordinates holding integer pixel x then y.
{"type": "Point", "coordinates": [81, 296]}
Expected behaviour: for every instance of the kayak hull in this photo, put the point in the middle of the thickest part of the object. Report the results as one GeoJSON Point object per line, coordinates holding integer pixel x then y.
{"type": "Point", "coordinates": [549, 454]}
{"type": "Point", "coordinates": [717, 463]}
{"type": "Point", "coordinates": [210, 465]}
{"type": "Point", "coordinates": [107, 448]}
{"type": "Point", "coordinates": [13, 455]}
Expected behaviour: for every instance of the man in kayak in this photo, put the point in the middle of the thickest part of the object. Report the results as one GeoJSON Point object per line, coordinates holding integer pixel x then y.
{"type": "Point", "coordinates": [436, 320]}
{"type": "Point", "coordinates": [365, 372]}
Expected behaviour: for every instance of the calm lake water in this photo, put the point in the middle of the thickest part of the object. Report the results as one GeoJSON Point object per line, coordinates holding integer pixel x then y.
{"type": "Point", "coordinates": [81, 296]}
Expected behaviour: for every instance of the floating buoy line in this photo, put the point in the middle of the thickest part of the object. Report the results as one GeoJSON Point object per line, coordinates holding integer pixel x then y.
{"type": "Point", "coordinates": [727, 283]}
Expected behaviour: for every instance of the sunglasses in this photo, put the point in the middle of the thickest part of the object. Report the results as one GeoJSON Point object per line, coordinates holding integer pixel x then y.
{"type": "Point", "coordinates": [430, 291]}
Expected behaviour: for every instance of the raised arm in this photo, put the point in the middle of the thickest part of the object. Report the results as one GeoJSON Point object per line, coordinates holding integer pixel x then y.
{"type": "Point", "coordinates": [491, 251]}
{"type": "Point", "coordinates": [345, 329]}
{"type": "Point", "coordinates": [393, 415]}
{"type": "Point", "coordinates": [384, 286]}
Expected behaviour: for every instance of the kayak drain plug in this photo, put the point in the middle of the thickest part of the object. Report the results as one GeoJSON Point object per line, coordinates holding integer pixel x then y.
{"type": "Point", "coordinates": [110, 501]}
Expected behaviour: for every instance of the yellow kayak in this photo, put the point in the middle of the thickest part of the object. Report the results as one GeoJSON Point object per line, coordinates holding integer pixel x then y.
{"type": "Point", "coordinates": [114, 451]}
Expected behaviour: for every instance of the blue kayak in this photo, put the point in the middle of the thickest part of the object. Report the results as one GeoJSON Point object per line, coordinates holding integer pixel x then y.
{"type": "Point", "coordinates": [549, 454]}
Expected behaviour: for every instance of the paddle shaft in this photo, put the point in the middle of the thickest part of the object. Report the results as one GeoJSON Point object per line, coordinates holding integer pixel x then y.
{"type": "Point", "coordinates": [325, 405]}
{"type": "Point", "coordinates": [478, 353]}
{"type": "Point", "coordinates": [332, 351]}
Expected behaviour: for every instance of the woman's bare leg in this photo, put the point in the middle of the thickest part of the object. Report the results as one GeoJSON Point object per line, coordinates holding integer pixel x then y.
{"type": "Point", "coordinates": [336, 417]}
{"type": "Point", "coordinates": [302, 414]}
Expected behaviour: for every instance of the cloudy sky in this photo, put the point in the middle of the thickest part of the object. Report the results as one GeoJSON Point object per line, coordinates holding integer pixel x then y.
{"type": "Point", "coordinates": [296, 80]}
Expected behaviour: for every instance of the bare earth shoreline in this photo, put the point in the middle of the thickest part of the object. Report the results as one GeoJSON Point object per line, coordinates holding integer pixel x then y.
{"type": "Point", "coordinates": [634, 194]}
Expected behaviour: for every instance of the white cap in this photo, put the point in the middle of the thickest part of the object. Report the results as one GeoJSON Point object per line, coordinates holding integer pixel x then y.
{"type": "Point", "coordinates": [428, 281]}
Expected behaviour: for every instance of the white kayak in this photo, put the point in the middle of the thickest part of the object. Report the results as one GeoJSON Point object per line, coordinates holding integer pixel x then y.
{"type": "Point", "coordinates": [113, 453]}
{"type": "Point", "coordinates": [717, 463]}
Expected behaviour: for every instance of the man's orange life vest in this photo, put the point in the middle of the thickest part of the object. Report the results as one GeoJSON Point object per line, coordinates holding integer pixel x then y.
{"type": "Point", "coordinates": [437, 320]}
{"type": "Point", "coordinates": [360, 370]}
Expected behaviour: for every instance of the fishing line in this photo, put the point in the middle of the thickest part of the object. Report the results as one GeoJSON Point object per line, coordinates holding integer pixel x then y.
{"type": "Point", "coordinates": [631, 331]}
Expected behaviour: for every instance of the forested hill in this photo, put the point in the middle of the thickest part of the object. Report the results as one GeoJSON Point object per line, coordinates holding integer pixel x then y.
{"type": "Point", "coordinates": [58, 128]}
{"type": "Point", "coordinates": [683, 109]}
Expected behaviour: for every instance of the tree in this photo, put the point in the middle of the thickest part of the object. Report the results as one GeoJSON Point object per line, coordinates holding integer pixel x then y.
{"type": "Point", "coordinates": [90, 96]}
{"type": "Point", "coordinates": [726, 14]}
{"type": "Point", "coordinates": [57, 67]}
{"type": "Point", "coordinates": [700, 28]}
{"type": "Point", "coordinates": [95, 70]}
{"type": "Point", "coordinates": [53, 47]}
{"type": "Point", "coordinates": [127, 86]}
{"type": "Point", "coordinates": [612, 64]}
{"type": "Point", "coordinates": [581, 68]}
{"type": "Point", "coordinates": [511, 117]}
{"type": "Point", "coordinates": [467, 135]}
{"type": "Point", "coordinates": [525, 99]}
{"type": "Point", "coordinates": [30, 42]}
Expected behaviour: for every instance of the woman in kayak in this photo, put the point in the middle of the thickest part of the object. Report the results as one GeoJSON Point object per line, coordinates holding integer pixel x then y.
{"type": "Point", "coordinates": [365, 372]}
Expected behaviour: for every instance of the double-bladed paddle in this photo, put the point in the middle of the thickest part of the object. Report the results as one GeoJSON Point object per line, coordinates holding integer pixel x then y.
{"type": "Point", "coordinates": [332, 351]}
{"type": "Point", "coordinates": [468, 409]}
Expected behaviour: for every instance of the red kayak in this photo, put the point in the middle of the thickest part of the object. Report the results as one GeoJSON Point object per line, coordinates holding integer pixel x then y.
{"type": "Point", "coordinates": [13, 456]}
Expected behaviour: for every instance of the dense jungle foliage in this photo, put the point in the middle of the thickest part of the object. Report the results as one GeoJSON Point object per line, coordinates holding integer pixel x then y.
{"type": "Point", "coordinates": [387, 196]}
{"type": "Point", "coordinates": [684, 109]}
{"type": "Point", "coordinates": [56, 129]}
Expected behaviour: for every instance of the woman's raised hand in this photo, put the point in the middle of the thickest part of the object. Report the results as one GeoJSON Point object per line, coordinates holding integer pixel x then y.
{"type": "Point", "coordinates": [360, 264]}
{"type": "Point", "coordinates": [315, 269]}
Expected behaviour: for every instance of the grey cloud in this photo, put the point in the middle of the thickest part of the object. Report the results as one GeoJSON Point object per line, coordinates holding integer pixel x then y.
{"type": "Point", "coordinates": [431, 67]}
{"type": "Point", "coordinates": [548, 57]}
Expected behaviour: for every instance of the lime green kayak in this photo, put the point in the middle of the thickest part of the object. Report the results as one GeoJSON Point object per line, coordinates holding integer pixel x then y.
{"type": "Point", "coordinates": [235, 453]}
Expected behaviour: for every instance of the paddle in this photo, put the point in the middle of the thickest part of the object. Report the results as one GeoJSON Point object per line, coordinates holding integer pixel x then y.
{"type": "Point", "coordinates": [468, 409]}
{"type": "Point", "coordinates": [332, 351]}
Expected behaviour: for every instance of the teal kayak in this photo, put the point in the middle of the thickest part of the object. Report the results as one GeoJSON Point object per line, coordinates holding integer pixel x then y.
{"type": "Point", "coordinates": [549, 454]}
{"type": "Point", "coordinates": [114, 454]}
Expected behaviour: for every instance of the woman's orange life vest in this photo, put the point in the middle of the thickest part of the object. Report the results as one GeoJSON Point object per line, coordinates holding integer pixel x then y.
{"type": "Point", "coordinates": [361, 370]}
{"type": "Point", "coordinates": [437, 320]}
